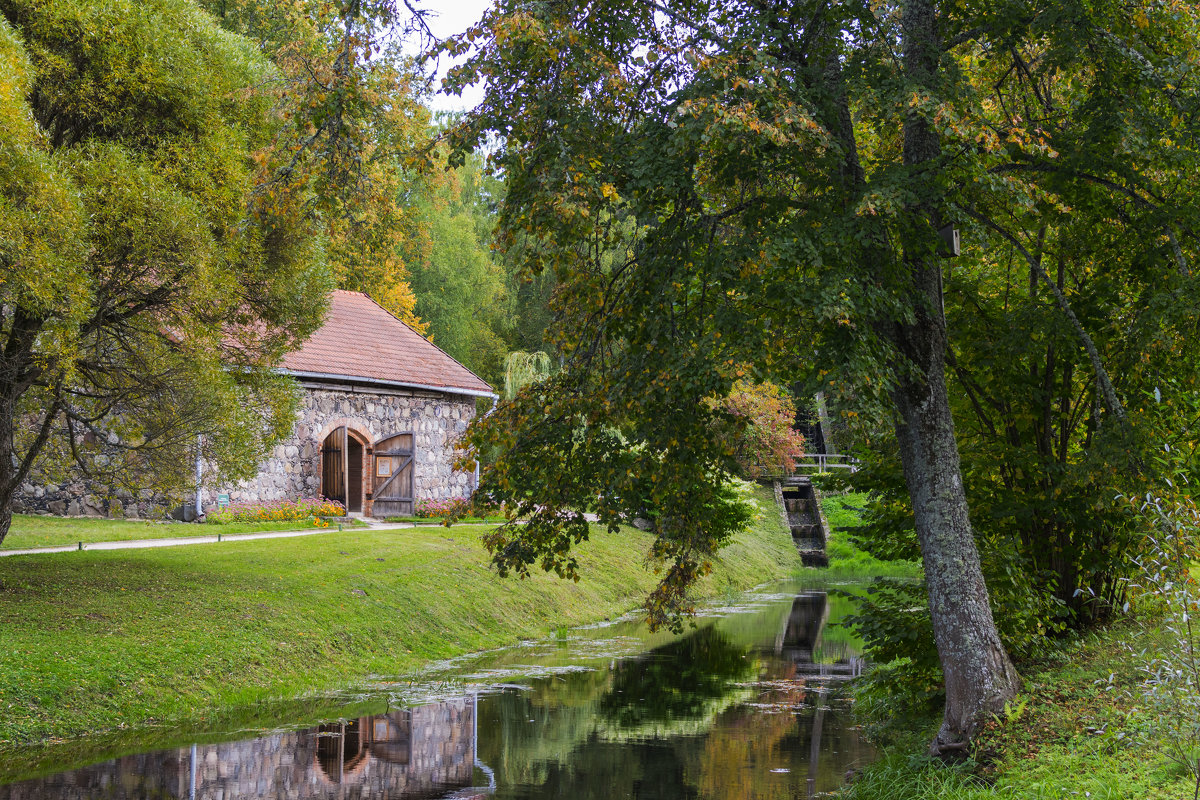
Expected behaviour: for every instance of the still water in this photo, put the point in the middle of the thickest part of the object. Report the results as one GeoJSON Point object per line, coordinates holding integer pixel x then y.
{"type": "Point", "coordinates": [749, 704]}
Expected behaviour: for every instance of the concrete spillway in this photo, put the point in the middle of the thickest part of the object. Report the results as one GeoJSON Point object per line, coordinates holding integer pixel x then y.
{"type": "Point", "coordinates": [798, 501]}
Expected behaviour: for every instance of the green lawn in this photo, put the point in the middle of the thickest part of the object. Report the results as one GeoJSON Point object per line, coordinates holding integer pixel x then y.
{"type": "Point", "coordinates": [98, 640]}
{"type": "Point", "coordinates": [43, 531]}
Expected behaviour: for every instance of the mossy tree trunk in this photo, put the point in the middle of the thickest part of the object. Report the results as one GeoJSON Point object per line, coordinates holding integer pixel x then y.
{"type": "Point", "coordinates": [979, 676]}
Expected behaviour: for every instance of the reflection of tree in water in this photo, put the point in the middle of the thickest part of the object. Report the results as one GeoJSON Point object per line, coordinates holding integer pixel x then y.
{"type": "Point", "coordinates": [521, 732]}
{"type": "Point", "coordinates": [676, 681]}
{"type": "Point", "coordinates": [739, 752]}
{"type": "Point", "coordinates": [691, 719]}
{"type": "Point", "coordinates": [816, 746]}
{"type": "Point", "coordinates": [545, 743]}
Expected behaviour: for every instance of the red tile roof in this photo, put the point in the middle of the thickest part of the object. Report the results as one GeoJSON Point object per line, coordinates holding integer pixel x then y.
{"type": "Point", "coordinates": [361, 341]}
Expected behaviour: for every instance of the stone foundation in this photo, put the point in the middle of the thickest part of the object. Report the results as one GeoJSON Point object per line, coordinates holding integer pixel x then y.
{"type": "Point", "coordinates": [87, 498]}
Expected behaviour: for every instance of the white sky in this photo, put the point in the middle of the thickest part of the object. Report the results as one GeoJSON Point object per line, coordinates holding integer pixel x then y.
{"type": "Point", "coordinates": [451, 17]}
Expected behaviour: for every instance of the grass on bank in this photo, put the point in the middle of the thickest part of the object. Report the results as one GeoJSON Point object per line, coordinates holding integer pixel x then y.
{"type": "Point", "coordinates": [98, 640]}
{"type": "Point", "coordinates": [845, 560]}
{"type": "Point", "coordinates": [1068, 735]}
{"type": "Point", "coordinates": [33, 530]}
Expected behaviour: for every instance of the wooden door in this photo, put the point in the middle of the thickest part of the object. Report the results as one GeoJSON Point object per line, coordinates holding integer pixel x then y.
{"type": "Point", "coordinates": [392, 476]}
{"type": "Point", "coordinates": [333, 467]}
{"type": "Point", "coordinates": [354, 474]}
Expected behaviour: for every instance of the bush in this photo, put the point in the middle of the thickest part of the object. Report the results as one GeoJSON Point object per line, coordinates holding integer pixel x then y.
{"type": "Point", "coordinates": [1170, 687]}
{"type": "Point", "coordinates": [767, 441]}
{"type": "Point", "coordinates": [313, 508]}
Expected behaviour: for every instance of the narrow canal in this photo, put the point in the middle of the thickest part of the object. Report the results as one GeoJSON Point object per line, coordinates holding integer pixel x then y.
{"type": "Point", "coordinates": [749, 704]}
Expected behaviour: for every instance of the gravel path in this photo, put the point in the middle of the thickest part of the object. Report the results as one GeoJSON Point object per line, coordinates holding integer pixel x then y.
{"type": "Point", "coordinates": [133, 544]}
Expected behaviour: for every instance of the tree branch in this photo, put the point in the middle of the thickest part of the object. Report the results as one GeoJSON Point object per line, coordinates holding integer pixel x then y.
{"type": "Point", "coordinates": [37, 444]}
{"type": "Point", "coordinates": [1180, 260]}
{"type": "Point", "coordinates": [1132, 194]}
{"type": "Point", "coordinates": [1035, 263]}
{"type": "Point", "coordinates": [696, 26]}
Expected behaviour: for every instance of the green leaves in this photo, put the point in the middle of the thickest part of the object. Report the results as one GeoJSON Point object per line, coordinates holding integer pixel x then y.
{"type": "Point", "coordinates": [40, 212]}
{"type": "Point", "coordinates": [763, 439]}
{"type": "Point", "coordinates": [745, 199]}
{"type": "Point", "coordinates": [147, 292]}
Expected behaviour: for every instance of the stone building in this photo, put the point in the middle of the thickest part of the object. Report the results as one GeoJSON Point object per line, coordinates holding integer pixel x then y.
{"type": "Point", "coordinates": [380, 416]}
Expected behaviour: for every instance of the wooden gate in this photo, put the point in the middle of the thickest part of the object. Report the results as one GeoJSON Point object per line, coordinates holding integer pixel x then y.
{"type": "Point", "coordinates": [342, 468]}
{"type": "Point", "coordinates": [393, 476]}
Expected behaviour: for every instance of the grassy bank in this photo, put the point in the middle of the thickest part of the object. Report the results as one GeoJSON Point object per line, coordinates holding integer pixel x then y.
{"type": "Point", "coordinates": [1071, 733]}
{"type": "Point", "coordinates": [1079, 728]}
{"type": "Point", "coordinates": [99, 640]}
{"type": "Point", "coordinates": [847, 561]}
{"type": "Point", "coordinates": [31, 530]}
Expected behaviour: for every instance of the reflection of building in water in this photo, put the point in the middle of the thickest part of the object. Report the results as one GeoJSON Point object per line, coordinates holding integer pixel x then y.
{"type": "Point", "coordinates": [346, 749]}
{"type": "Point", "coordinates": [421, 752]}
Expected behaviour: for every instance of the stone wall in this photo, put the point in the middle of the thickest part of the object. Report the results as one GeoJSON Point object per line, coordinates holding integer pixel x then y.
{"type": "Point", "coordinates": [294, 470]}
{"type": "Point", "coordinates": [57, 485]}
{"type": "Point", "coordinates": [80, 497]}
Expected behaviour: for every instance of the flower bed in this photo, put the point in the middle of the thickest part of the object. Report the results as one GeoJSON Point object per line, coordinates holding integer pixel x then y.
{"type": "Point", "coordinates": [310, 509]}
{"type": "Point", "coordinates": [450, 507]}
{"type": "Point", "coordinates": [456, 508]}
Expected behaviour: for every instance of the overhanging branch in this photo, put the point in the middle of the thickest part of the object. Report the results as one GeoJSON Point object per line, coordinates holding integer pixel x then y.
{"type": "Point", "coordinates": [1035, 263]}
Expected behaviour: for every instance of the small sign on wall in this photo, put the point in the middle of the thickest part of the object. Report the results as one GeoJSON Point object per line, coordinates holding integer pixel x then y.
{"type": "Point", "coordinates": [383, 467]}
{"type": "Point", "coordinates": [222, 500]}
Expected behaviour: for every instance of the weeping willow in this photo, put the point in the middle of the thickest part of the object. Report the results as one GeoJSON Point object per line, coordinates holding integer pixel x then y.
{"type": "Point", "coordinates": [522, 369]}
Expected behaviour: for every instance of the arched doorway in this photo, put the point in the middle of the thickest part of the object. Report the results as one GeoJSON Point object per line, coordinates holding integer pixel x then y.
{"type": "Point", "coordinates": [341, 749]}
{"type": "Point", "coordinates": [342, 468]}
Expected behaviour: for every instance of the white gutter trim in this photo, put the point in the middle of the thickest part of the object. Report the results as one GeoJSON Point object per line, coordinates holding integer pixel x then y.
{"type": "Point", "coordinates": [382, 382]}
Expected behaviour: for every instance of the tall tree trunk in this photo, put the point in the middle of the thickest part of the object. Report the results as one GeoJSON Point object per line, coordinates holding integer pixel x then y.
{"type": "Point", "coordinates": [18, 371]}
{"type": "Point", "coordinates": [979, 676]}
{"type": "Point", "coordinates": [6, 514]}
{"type": "Point", "coordinates": [9, 478]}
